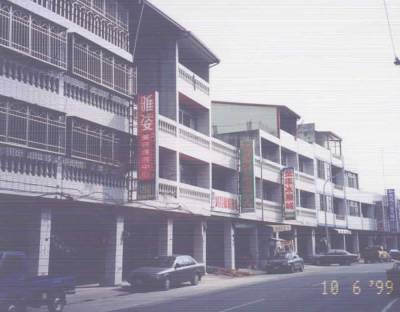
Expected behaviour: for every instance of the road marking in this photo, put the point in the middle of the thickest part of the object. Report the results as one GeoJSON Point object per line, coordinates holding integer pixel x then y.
{"type": "Point", "coordinates": [242, 305]}
{"type": "Point", "coordinates": [390, 304]}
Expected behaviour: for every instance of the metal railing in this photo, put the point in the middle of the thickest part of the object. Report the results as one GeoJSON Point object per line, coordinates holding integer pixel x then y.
{"type": "Point", "coordinates": [28, 34]}
{"type": "Point", "coordinates": [99, 20]}
{"type": "Point", "coordinates": [104, 69]}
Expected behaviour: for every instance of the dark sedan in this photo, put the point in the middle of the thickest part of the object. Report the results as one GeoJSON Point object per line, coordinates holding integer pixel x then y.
{"type": "Point", "coordinates": [335, 256]}
{"type": "Point", "coordinates": [285, 262]}
{"type": "Point", "coordinates": [167, 271]}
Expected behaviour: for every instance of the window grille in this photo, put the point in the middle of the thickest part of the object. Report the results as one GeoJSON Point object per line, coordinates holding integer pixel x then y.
{"type": "Point", "coordinates": [31, 126]}
{"type": "Point", "coordinates": [33, 36]}
{"type": "Point", "coordinates": [99, 66]}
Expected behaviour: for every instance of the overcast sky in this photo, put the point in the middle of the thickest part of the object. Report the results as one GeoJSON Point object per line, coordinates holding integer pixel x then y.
{"type": "Point", "coordinates": [331, 61]}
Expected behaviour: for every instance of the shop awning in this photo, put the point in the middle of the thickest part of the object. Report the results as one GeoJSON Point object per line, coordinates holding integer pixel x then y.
{"type": "Point", "coordinates": [343, 231]}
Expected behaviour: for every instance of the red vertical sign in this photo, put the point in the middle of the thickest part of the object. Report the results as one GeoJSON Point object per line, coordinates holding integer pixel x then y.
{"type": "Point", "coordinates": [289, 193]}
{"type": "Point", "coordinates": [147, 147]}
{"type": "Point", "coordinates": [147, 138]}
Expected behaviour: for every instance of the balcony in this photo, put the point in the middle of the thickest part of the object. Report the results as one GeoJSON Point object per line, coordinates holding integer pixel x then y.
{"type": "Point", "coordinates": [271, 170]}
{"type": "Point", "coordinates": [369, 224]}
{"type": "Point", "coordinates": [272, 210]}
{"type": "Point", "coordinates": [167, 189]}
{"type": "Point", "coordinates": [193, 143]}
{"type": "Point", "coordinates": [106, 20]}
{"type": "Point", "coordinates": [306, 216]}
{"type": "Point", "coordinates": [193, 86]}
{"type": "Point", "coordinates": [329, 219]}
{"type": "Point", "coordinates": [340, 221]}
{"type": "Point", "coordinates": [224, 154]}
{"type": "Point", "coordinates": [224, 202]}
{"type": "Point", "coordinates": [102, 68]}
{"type": "Point", "coordinates": [22, 32]}
{"type": "Point", "coordinates": [354, 223]}
{"type": "Point", "coordinates": [288, 141]}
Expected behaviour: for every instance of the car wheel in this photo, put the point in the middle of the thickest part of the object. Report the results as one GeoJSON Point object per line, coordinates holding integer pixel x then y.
{"type": "Point", "coordinates": [167, 284]}
{"type": "Point", "coordinates": [56, 303]}
{"type": "Point", "coordinates": [195, 280]}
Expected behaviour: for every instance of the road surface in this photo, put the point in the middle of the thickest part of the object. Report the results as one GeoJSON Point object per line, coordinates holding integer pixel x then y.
{"type": "Point", "coordinates": [356, 288]}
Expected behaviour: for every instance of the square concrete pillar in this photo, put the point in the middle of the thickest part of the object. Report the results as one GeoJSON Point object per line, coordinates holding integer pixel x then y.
{"type": "Point", "coordinates": [166, 239]}
{"type": "Point", "coordinates": [356, 242]}
{"type": "Point", "coordinates": [114, 253]}
{"type": "Point", "coordinates": [344, 242]}
{"type": "Point", "coordinates": [200, 242]}
{"type": "Point", "coordinates": [229, 245]}
{"type": "Point", "coordinates": [254, 247]}
{"type": "Point", "coordinates": [311, 244]}
{"type": "Point", "coordinates": [39, 244]}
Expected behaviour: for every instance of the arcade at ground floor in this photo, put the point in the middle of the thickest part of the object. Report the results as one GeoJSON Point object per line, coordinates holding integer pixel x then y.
{"type": "Point", "coordinates": [103, 243]}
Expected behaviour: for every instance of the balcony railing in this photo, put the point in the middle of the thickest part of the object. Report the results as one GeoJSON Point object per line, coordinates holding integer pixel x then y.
{"type": "Point", "coordinates": [223, 148]}
{"type": "Point", "coordinates": [108, 20]}
{"type": "Point", "coordinates": [306, 212]}
{"type": "Point", "coordinates": [195, 81]}
{"type": "Point", "coordinates": [32, 36]}
{"type": "Point", "coordinates": [194, 192]}
{"type": "Point", "coordinates": [168, 188]}
{"type": "Point", "coordinates": [103, 68]}
{"type": "Point", "coordinates": [194, 137]}
{"type": "Point", "coordinates": [166, 125]}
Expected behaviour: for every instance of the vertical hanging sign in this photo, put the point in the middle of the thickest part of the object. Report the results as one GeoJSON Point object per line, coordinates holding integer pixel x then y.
{"type": "Point", "coordinates": [247, 178]}
{"type": "Point", "coordinates": [289, 193]}
{"type": "Point", "coordinates": [391, 204]}
{"type": "Point", "coordinates": [147, 147]}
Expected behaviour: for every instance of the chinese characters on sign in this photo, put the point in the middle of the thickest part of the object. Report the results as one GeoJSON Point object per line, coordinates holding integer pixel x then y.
{"type": "Point", "coordinates": [391, 202]}
{"type": "Point", "coordinates": [225, 203]}
{"type": "Point", "coordinates": [247, 178]}
{"type": "Point", "coordinates": [147, 157]}
{"type": "Point", "coordinates": [289, 194]}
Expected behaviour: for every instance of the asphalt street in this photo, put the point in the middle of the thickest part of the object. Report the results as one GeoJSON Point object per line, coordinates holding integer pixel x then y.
{"type": "Point", "coordinates": [356, 288]}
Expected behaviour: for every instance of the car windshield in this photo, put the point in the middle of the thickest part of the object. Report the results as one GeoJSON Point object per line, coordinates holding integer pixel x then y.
{"type": "Point", "coordinates": [162, 262]}
{"type": "Point", "coordinates": [281, 256]}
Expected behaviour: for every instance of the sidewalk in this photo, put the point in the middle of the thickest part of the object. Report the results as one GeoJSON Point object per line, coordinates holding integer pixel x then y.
{"type": "Point", "coordinates": [89, 293]}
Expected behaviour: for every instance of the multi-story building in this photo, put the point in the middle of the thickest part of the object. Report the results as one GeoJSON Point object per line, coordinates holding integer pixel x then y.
{"type": "Point", "coordinates": [90, 90]}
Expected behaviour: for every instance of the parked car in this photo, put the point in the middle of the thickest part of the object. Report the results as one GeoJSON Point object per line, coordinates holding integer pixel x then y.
{"type": "Point", "coordinates": [373, 254]}
{"type": "Point", "coordinates": [335, 256]}
{"type": "Point", "coordinates": [167, 271]}
{"type": "Point", "coordinates": [393, 274]}
{"type": "Point", "coordinates": [394, 254]}
{"type": "Point", "coordinates": [286, 262]}
{"type": "Point", "coordinates": [18, 290]}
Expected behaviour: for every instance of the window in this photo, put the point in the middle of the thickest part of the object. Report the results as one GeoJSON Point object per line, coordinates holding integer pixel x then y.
{"type": "Point", "coordinates": [33, 36]}
{"type": "Point", "coordinates": [31, 126]}
{"type": "Point", "coordinates": [91, 62]}
{"type": "Point", "coordinates": [93, 142]}
{"type": "Point", "coordinates": [187, 119]}
{"type": "Point", "coordinates": [325, 202]}
{"type": "Point", "coordinates": [321, 169]}
{"type": "Point", "coordinates": [352, 179]}
{"type": "Point", "coordinates": [354, 208]}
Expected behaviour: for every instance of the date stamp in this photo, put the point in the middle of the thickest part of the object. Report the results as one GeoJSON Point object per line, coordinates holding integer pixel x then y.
{"type": "Point", "coordinates": [334, 288]}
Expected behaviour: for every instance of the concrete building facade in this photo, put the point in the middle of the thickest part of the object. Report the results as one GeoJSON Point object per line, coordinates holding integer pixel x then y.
{"type": "Point", "coordinates": [71, 77]}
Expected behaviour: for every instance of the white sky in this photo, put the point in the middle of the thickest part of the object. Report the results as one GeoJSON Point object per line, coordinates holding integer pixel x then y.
{"type": "Point", "coordinates": [329, 60]}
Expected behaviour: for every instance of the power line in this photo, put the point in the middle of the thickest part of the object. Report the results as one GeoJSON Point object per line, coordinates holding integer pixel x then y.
{"type": "Point", "coordinates": [396, 59]}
